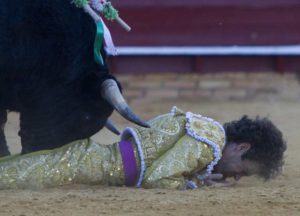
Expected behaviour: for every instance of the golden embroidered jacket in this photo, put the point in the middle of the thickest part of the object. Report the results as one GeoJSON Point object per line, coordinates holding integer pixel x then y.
{"type": "Point", "coordinates": [177, 146]}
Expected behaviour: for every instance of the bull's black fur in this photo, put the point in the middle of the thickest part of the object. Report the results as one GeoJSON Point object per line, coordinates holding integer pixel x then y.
{"type": "Point", "coordinates": [48, 74]}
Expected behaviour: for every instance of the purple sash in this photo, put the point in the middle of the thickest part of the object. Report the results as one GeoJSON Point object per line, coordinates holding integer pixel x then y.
{"type": "Point", "coordinates": [129, 163]}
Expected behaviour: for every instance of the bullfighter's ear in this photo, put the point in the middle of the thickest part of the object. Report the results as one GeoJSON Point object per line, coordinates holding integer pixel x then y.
{"type": "Point", "coordinates": [241, 148]}
{"type": "Point", "coordinates": [110, 92]}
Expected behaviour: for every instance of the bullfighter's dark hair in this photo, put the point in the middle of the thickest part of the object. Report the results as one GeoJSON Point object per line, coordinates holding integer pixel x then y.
{"type": "Point", "coordinates": [267, 143]}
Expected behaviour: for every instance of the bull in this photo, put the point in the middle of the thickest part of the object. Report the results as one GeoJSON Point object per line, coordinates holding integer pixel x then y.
{"type": "Point", "coordinates": [48, 75]}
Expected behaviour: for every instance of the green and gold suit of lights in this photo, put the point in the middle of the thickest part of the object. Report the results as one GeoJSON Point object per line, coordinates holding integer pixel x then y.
{"type": "Point", "coordinates": [170, 155]}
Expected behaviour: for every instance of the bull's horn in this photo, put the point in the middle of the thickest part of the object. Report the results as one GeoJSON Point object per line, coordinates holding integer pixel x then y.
{"type": "Point", "coordinates": [110, 91]}
{"type": "Point", "coordinates": [111, 127]}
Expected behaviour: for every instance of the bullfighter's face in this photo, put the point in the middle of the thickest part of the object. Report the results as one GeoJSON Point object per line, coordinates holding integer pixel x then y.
{"type": "Point", "coordinates": [232, 164]}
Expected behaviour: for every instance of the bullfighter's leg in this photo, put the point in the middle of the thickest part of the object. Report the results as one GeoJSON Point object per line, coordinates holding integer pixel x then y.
{"type": "Point", "coordinates": [3, 146]}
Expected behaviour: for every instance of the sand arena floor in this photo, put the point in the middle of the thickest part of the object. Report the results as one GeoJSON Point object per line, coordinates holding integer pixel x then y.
{"type": "Point", "coordinates": [251, 196]}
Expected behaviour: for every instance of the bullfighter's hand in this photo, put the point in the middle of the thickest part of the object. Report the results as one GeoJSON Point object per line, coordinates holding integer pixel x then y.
{"type": "Point", "coordinates": [216, 179]}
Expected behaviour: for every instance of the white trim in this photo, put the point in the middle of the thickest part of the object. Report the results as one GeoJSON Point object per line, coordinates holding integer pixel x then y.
{"type": "Point", "coordinates": [216, 148]}
{"type": "Point", "coordinates": [190, 185]}
{"type": "Point", "coordinates": [124, 136]}
{"type": "Point", "coordinates": [208, 50]}
{"type": "Point", "coordinates": [173, 110]}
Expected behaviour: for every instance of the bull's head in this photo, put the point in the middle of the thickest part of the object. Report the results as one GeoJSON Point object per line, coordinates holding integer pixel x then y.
{"type": "Point", "coordinates": [110, 91]}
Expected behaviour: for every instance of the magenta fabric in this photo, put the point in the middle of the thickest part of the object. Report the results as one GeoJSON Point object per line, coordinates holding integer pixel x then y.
{"type": "Point", "coordinates": [129, 163]}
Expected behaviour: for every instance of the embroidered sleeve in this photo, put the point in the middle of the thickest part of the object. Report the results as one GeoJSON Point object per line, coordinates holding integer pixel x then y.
{"type": "Point", "coordinates": [174, 167]}
{"type": "Point", "coordinates": [209, 132]}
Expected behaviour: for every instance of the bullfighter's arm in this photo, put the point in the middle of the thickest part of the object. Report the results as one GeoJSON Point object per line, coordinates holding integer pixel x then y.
{"type": "Point", "coordinates": [174, 167]}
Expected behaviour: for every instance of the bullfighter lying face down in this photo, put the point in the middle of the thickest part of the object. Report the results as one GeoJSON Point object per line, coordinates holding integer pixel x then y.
{"type": "Point", "coordinates": [48, 74]}
{"type": "Point", "coordinates": [179, 151]}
